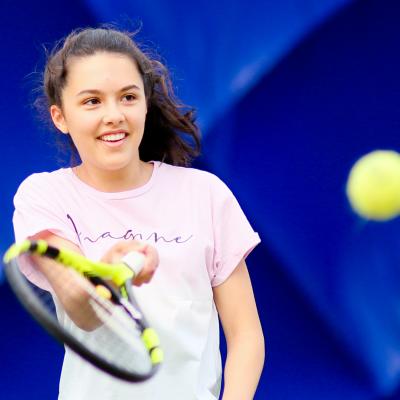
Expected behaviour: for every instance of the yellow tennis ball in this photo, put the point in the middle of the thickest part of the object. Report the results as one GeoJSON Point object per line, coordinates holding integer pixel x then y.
{"type": "Point", "coordinates": [373, 186]}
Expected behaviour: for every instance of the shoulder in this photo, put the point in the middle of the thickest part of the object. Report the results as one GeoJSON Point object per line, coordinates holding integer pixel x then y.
{"type": "Point", "coordinates": [48, 182]}
{"type": "Point", "coordinates": [192, 176]}
{"type": "Point", "coordinates": [199, 186]}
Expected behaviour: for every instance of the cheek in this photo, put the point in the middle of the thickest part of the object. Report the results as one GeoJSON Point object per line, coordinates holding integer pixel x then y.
{"type": "Point", "coordinates": [82, 135]}
{"type": "Point", "coordinates": [139, 117]}
{"type": "Point", "coordinates": [83, 122]}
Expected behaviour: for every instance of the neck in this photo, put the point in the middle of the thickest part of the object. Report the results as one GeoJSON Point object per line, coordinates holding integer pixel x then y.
{"type": "Point", "coordinates": [115, 181]}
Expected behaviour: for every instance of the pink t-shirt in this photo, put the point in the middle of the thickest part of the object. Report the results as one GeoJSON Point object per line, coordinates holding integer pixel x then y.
{"type": "Point", "coordinates": [201, 234]}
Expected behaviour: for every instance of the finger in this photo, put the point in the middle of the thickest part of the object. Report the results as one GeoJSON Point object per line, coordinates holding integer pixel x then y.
{"type": "Point", "coordinates": [135, 261]}
{"type": "Point", "coordinates": [119, 249]}
{"type": "Point", "coordinates": [145, 275]}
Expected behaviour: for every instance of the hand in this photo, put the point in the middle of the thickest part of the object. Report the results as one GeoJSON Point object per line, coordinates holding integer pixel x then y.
{"type": "Point", "coordinates": [120, 249]}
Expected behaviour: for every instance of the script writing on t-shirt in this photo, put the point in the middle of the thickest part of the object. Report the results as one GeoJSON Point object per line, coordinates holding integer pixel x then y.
{"type": "Point", "coordinates": [129, 234]}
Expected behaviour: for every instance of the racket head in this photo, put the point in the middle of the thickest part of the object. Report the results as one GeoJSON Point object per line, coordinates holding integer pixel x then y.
{"type": "Point", "coordinates": [116, 347]}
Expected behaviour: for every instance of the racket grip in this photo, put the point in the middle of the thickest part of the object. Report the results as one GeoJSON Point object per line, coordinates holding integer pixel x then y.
{"type": "Point", "coordinates": [134, 260]}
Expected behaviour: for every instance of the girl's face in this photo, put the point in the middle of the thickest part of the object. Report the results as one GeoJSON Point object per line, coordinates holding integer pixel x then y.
{"type": "Point", "coordinates": [104, 110]}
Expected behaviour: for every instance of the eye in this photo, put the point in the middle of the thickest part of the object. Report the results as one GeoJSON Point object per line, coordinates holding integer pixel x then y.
{"type": "Point", "coordinates": [91, 102]}
{"type": "Point", "coordinates": [129, 98]}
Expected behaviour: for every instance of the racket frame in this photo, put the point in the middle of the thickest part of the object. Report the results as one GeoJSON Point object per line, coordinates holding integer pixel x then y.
{"type": "Point", "coordinates": [119, 273]}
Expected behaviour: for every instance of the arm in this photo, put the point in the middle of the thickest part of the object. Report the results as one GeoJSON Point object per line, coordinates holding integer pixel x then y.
{"type": "Point", "coordinates": [71, 288]}
{"type": "Point", "coordinates": [237, 309]}
{"type": "Point", "coordinates": [116, 252]}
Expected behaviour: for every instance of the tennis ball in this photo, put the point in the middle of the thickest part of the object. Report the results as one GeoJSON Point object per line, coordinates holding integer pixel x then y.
{"type": "Point", "coordinates": [373, 186]}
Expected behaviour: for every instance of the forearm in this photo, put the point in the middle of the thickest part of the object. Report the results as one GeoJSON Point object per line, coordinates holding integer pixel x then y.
{"type": "Point", "coordinates": [72, 290]}
{"type": "Point", "coordinates": [244, 337]}
{"type": "Point", "coordinates": [243, 367]}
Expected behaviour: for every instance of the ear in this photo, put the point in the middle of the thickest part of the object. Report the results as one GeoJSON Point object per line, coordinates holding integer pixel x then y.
{"type": "Point", "coordinates": [58, 118]}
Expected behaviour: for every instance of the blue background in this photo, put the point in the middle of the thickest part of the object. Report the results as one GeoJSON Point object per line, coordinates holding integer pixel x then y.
{"type": "Point", "coordinates": [289, 94]}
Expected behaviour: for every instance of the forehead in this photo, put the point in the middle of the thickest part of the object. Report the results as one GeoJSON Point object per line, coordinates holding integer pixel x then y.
{"type": "Point", "coordinates": [102, 69]}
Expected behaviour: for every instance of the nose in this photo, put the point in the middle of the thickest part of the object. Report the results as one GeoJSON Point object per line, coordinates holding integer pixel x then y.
{"type": "Point", "coordinates": [113, 114]}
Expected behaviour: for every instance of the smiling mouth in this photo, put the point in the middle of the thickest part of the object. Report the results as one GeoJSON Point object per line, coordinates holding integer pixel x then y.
{"type": "Point", "coordinates": [113, 137]}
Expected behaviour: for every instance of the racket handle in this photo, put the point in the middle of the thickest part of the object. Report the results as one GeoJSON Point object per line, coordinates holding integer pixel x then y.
{"type": "Point", "coordinates": [134, 260]}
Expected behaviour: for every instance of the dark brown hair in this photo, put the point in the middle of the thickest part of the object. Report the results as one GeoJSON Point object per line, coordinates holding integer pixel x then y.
{"type": "Point", "coordinates": [171, 133]}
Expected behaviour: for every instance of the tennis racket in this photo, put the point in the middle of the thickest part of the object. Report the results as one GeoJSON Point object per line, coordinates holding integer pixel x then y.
{"type": "Point", "coordinates": [121, 342]}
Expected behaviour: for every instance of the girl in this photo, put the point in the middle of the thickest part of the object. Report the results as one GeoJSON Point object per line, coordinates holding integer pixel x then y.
{"type": "Point", "coordinates": [132, 189]}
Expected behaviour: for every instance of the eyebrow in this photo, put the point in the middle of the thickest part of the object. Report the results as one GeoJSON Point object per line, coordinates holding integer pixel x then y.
{"type": "Point", "coordinates": [95, 91]}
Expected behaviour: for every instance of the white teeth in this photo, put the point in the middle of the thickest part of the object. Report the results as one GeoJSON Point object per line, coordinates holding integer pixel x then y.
{"type": "Point", "coordinates": [113, 137]}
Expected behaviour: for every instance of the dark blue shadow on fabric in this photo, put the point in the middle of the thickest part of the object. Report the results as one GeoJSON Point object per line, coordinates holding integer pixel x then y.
{"type": "Point", "coordinates": [286, 149]}
{"type": "Point", "coordinates": [216, 51]}
{"type": "Point", "coordinates": [326, 295]}
{"type": "Point", "coordinates": [30, 359]}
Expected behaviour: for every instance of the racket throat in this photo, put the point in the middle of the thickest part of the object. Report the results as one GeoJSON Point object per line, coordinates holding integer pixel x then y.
{"type": "Point", "coordinates": [137, 315]}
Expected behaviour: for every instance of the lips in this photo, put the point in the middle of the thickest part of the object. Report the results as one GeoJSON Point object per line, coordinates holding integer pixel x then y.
{"type": "Point", "coordinates": [113, 136]}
